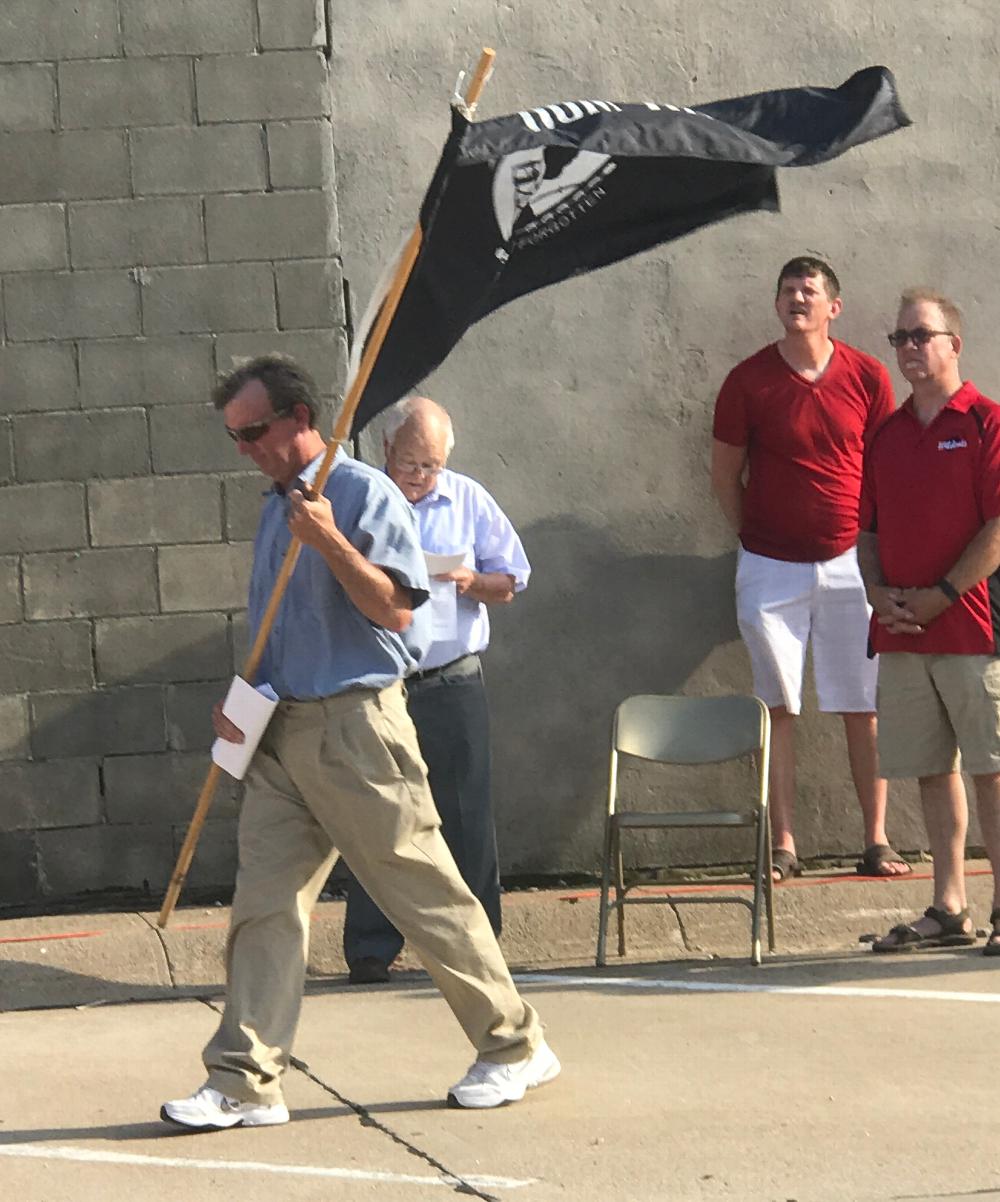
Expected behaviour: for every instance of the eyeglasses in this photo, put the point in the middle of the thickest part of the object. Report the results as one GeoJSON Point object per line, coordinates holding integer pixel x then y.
{"type": "Point", "coordinates": [255, 431]}
{"type": "Point", "coordinates": [410, 467]}
{"type": "Point", "coordinates": [919, 337]}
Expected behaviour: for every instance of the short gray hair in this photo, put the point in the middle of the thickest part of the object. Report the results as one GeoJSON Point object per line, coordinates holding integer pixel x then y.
{"type": "Point", "coordinates": [397, 415]}
{"type": "Point", "coordinates": [951, 313]}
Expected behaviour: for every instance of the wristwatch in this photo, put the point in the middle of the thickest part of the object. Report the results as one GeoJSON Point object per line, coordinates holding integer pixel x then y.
{"type": "Point", "coordinates": [949, 590]}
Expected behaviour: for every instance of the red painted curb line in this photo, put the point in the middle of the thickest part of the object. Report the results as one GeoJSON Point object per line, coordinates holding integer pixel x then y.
{"type": "Point", "coordinates": [795, 882]}
{"type": "Point", "coordinates": [42, 938]}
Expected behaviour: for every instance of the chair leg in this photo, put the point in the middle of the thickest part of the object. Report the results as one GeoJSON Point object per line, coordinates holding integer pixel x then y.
{"type": "Point", "coordinates": [759, 893]}
{"type": "Point", "coordinates": [620, 891]}
{"type": "Point", "coordinates": [602, 913]}
{"type": "Point", "coordinates": [769, 890]}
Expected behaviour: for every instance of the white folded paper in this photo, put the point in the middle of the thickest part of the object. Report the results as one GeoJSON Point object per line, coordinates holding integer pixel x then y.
{"type": "Point", "coordinates": [437, 565]}
{"type": "Point", "coordinates": [250, 709]}
{"type": "Point", "coordinates": [444, 611]}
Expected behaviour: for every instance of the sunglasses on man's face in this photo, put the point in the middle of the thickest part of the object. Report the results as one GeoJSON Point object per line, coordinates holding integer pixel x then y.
{"type": "Point", "coordinates": [255, 431]}
{"type": "Point", "coordinates": [919, 337]}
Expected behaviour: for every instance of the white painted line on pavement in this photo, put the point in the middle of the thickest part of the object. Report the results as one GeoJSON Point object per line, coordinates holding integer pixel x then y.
{"type": "Point", "coordinates": [93, 1156]}
{"type": "Point", "coordinates": [668, 986]}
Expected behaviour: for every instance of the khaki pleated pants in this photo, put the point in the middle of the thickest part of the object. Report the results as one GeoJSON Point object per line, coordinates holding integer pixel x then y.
{"type": "Point", "coordinates": [345, 773]}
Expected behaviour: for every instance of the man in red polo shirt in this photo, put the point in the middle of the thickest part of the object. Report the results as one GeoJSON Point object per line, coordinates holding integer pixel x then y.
{"type": "Point", "coordinates": [929, 551]}
{"type": "Point", "coordinates": [791, 425]}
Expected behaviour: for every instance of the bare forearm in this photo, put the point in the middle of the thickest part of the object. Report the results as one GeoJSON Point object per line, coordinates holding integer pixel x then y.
{"type": "Point", "coordinates": [729, 471]}
{"type": "Point", "coordinates": [492, 588]}
{"type": "Point", "coordinates": [980, 559]}
{"type": "Point", "coordinates": [729, 494]}
{"type": "Point", "coordinates": [380, 597]}
{"type": "Point", "coordinates": [869, 562]}
{"type": "Point", "coordinates": [892, 611]}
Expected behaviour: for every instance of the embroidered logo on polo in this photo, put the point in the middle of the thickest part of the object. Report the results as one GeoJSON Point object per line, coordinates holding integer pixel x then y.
{"type": "Point", "coordinates": [952, 444]}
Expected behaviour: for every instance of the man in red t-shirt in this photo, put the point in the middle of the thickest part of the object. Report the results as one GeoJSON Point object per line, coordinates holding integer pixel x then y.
{"type": "Point", "coordinates": [791, 425]}
{"type": "Point", "coordinates": [929, 551]}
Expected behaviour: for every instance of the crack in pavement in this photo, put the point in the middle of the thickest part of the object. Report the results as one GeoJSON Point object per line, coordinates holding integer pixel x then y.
{"type": "Point", "coordinates": [461, 1184]}
{"type": "Point", "coordinates": [680, 924]}
{"type": "Point", "coordinates": [990, 1192]}
{"type": "Point", "coordinates": [158, 932]}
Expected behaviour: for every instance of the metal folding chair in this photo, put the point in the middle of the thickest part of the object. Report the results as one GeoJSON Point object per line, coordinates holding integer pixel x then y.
{"type": "Point", "coordinates": [689, 730]}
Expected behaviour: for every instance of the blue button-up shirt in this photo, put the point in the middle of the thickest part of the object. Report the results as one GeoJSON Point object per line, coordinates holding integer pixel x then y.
{"type": "Point", "coordinates": [321, 644]}
{"type": "Point", "coordinates": [458, 514]}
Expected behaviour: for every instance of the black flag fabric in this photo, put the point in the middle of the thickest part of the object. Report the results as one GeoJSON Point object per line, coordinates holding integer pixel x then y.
{"type": "Point", "coordinates": [523, 201]}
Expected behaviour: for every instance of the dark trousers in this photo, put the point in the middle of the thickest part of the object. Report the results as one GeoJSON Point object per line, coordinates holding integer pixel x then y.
{"type": "Point", "coordinates": [450, 712]}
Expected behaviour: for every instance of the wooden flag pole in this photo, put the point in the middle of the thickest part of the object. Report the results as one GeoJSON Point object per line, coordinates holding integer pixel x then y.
{"type": "Point", "coordinates": [341, 431]}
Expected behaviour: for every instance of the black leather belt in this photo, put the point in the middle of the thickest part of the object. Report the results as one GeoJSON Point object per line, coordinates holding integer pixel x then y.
{"type": "Point", "coordinates": [470, 662]}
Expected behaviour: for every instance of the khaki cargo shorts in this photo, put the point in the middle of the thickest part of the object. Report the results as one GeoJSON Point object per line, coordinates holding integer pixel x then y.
{"type": "Point", "coordinates": [933, 707]}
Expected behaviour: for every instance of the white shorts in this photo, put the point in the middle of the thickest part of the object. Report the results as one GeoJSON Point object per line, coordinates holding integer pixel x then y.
{"type": "Point", "coordinates": [781, 606]}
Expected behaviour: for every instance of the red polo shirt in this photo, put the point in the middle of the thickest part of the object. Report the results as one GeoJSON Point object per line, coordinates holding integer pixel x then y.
{"type": "Point", "coordinates": [928, 490]}
{"type": "Point", "coordinates": [805, 443]}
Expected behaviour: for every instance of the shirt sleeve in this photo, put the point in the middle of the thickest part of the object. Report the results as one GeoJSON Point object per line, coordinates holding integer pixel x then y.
{"type": "Point", "coordinates": [497, 546]}
{"type": "Point", "coordinates": [385, 532]}
{"type": "Point", "coordinates": [731, 423]}
{"type": "Point", "coordinates": [989, 467]}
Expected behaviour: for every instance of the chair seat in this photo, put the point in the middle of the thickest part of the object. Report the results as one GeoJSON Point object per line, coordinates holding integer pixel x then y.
{"type": "Point", "coordinates": [638, 818]}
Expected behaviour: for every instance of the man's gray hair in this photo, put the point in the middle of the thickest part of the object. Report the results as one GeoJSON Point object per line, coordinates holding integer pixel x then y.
{"type": "Point", "coordinates": [396, 417]}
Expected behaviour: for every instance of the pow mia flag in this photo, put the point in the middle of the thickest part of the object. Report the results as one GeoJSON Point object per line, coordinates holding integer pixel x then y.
{"type": "Point", "coordinates": [523, 201]}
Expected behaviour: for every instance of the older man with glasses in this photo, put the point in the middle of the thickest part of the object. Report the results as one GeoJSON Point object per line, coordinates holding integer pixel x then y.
{"type": "Point", "coordinates": [929, 551]}
{"type": "Point", "coordinates": [446, 694]}
{"type": "Point", "coordinates": [339, 768]}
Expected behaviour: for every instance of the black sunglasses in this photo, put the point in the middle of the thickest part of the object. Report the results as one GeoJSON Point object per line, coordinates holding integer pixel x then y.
{"type": "Point", "coordinates": [919, 337]}
{"type": "Point", "coordinates": [255, 431]}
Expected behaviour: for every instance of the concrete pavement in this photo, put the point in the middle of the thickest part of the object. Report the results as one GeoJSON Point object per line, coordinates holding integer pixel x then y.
{"type": "Point", "coordinates": [815, 1079]}
{"type": "Point", "coordinates": [826, 1075]}
{"type": "Point", "coordinates": [88, 958]}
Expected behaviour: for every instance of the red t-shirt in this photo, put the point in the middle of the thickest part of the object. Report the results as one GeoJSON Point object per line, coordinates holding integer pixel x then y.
{"type": "Point", "coordinates": [805, 445]}
{"type": "Point", "coordinates": [928, 491]}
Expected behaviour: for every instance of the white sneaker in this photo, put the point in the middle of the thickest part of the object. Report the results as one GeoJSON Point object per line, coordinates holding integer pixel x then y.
{"type": "Point", "coordinates": [488, 1084]}
{"type": "Point", "coordinates": [210, 1110]}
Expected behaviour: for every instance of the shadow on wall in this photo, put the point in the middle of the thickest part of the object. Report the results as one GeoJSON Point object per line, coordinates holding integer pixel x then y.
{"type": "Point", "coordinates": [595, 625]}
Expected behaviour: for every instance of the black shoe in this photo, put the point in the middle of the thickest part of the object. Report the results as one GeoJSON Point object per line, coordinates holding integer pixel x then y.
{"type": "Point", "coordinates": [368, 971]}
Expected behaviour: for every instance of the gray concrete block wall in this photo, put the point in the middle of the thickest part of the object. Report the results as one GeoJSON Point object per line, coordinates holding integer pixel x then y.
{"type": "Point", "coordinates": [166, 210]}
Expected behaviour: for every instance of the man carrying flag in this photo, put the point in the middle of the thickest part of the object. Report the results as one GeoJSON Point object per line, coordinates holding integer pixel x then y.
{"type": "Point", "coordinates": [339, 767]}
{"type": "Point", "coordinates": [516, 203]}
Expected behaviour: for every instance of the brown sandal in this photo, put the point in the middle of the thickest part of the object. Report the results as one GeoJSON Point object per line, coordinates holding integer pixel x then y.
{"type": "Point", "coordinates": [875, 858]}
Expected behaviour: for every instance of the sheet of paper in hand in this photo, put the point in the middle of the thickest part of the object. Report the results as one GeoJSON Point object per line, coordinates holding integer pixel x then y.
{"type": "Point", "coordinates": [250, 709]}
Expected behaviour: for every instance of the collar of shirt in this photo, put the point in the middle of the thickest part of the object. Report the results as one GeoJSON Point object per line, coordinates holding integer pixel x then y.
{"type": "Point", "coordinates": [960, 401]}
{"type": "Point", "coordinates": [443, 489]}
{"type": "Point", "coordinates": [308, 473]}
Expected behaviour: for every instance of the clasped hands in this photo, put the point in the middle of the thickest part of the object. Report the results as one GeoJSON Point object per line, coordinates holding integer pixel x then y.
{"type": "Point", "coordinates": [907, 610]}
